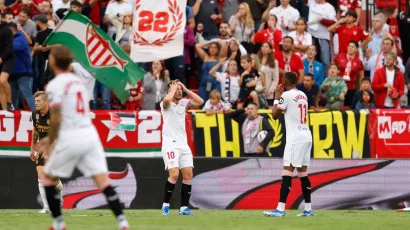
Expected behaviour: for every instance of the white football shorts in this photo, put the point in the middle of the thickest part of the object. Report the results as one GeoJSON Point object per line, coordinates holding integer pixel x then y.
{"type": "Point", "coordinates": [177, 157]}
{"type": "Point", "coordinates": [297, 155]}
{"type": "Point", "coordinates": [81, 149]}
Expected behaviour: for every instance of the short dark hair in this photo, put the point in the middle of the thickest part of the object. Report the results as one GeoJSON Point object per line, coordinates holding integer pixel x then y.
{"type": "Point", "coordinates": [291, 77]}
{"type": "Point", "coordinates": [352, 13]}
{"type": "Point", "coordinates": [310, 75]}
{"type": "Point", "coordinates": [253, 103]}
{"type": "Point", "coordinates": [13, 25]}
{"type": "Point", "coordinates": [26, 10]}
{"type": "Point", "coordinates": [389, 39]}
{"type": "Point", "coordinates": [8, 13]}
{"type": "Point", "coordinates": [355, 43]}
{"type": "Point", "coordinates": [172, 82]}
{"type": "Point", "coordinates": [62, 56]}
{"type": "Point", "coordinates": [288, 37]}
{"type": "Point", "coordinates": [334, 64]}
{"type": "Point", "coordinates": [365, 79]}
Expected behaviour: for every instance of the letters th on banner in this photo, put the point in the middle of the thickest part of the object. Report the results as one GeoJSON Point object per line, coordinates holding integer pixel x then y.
{"type": "Point", "coordinates": [335, 134]}
{"type": "Point", "coordinates": [389, 131]}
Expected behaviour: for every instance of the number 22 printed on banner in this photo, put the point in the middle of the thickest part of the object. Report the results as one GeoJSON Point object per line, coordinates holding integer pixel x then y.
{"type": "Point", "coordinates": [147, 19]}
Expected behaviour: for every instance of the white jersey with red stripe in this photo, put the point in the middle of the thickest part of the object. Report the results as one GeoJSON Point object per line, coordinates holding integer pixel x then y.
{"type": "Point", "coordinates": [69, 91]}
{"type": "Point", "coordinates": [294, 103]}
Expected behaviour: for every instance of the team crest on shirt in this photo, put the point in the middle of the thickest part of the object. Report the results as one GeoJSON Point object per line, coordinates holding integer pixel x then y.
{"type": "Point", "coordinates": [37, 117]}
{"type": "Point", "coordinates": [48, 121]}
{"type": "Point", "coordinates": [354, 33]}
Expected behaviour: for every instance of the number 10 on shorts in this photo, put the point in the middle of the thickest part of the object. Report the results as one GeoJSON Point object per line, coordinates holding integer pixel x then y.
{"type": "Point", "coordinates": [170, 155]}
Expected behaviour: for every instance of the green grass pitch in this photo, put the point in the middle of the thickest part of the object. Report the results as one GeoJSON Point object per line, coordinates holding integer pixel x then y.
{"type": "Point", "coordinates": [210, 220]}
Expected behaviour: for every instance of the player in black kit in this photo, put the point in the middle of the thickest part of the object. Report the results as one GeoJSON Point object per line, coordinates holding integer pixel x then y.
{"type": "Point", "coordinates": [41, 126]}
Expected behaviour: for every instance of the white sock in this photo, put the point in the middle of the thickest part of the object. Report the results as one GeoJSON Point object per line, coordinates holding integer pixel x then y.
{"type": "Point", "coordinates": [43, 194]}
{"type": "Point", "coordinates": [281, 206]}
{"type": "Point", "coordinates": [58, 223]}
{"type": "Point", "coordinates": [182, 208]}
{"type": "Point", "coordinates": [165, 204]}
{"type": "Point", "coordinates": [308, 206]}
{"type": "Point", "coordinates": [122, 221]}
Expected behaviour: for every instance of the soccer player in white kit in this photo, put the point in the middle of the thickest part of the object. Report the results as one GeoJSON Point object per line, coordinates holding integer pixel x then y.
{"type": "Point", "coordinates": [175, 150]}
{"type": "Point", "coordinates": [294, 104]}
{"type": "Point", "coordinates": [76, 141]}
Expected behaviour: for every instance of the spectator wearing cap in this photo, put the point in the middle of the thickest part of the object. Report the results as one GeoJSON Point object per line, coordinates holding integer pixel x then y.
{"type": "Point", "coordinates": [26, 23]}
{"type": "Point", "coordinates": [117, 8]}
{"type": "Point", "coordinates": [41, 52]}
{"type": "Point", "coordinates": [21, 79]}
{"type": "Point", "coordinates": [388, 84]}
{"type": "Point", "coordinates": [321, 15]}
{"type": "Point", "coordinates": [207, 12]}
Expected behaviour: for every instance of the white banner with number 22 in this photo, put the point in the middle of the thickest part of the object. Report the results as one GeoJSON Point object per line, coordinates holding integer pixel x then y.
{"type": "Point", "coordinates": [158, 30]}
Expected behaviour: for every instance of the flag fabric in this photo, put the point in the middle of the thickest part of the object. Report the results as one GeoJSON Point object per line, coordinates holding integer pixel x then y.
{"type": "Point", "coordinates": [123, 121]}
{"type": "Point", "coordinates": [97, 53]}
{"type": "Point", "coordinates": [158, 30]}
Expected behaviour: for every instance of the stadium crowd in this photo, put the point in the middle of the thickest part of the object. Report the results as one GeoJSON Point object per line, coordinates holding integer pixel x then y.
{"type": "Point", "coordinates": [235, 51]}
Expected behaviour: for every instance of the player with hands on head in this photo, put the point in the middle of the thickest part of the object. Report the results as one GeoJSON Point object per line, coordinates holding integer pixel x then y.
{"type": "Point", "coordinates": [175, 150]}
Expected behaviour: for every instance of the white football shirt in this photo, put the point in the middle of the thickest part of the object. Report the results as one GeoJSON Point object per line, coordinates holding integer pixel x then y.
{"type": "Point", "coordinates": [69, 91]}
{"type": "Point", "coordinates": [294, 103]}
{"type": "Point", "coordinates": [287, 16]}
{"type": "Point", "coordinates": [173, 128]}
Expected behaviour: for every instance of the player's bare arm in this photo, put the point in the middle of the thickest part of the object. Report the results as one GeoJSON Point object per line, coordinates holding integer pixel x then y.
{"type": "Point", "coordinates": [196, 100]}
{"type": "Point", "coordinates": [34, 140]}
{"type": "Point", "coordinates": [276, 112]}
{"type": "Point", "coordinates": [170, 96]}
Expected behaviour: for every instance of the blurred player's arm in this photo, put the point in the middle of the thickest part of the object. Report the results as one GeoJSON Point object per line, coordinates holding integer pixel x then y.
{"type": "Point", "coordinates": [34, 140]}
{"type": "Point", "coordinates": [269, 136]}
{"type": "Point", "coordinates": [278, 105]}
{"type": "Point", "coordinates": [55, 121]}
{"type": "Point", "coordinates": [170, 96]}
{"type": "Point", "coordinates": [238, 115]}
{"type": "Point", "coordinates": [195, 99]}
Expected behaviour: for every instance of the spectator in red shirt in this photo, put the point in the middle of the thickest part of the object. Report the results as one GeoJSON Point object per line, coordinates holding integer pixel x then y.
{"type": "Point", "coordinates": [388, 84]}
{"type": "Point", "coordinates": [289, 61]}
{"type": "Point", "coordinates": [346, 5]}
{"type": "Point", "coordinates": [348, 31]}
{"type": "Point", "coordinates": [16, 7]}
{"type": "Point", "coordinates": [352, 68]}
{"type": "Point", "coordinates": [269, 33]}
{"type": "Point", "coordinates": [95, 14]}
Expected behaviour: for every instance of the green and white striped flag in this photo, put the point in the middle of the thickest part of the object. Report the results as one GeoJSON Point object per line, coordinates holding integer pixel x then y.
{"type": "Point", "coordinates": [97, 53]}
{"type": "Point", "coordinates": [123, 121]}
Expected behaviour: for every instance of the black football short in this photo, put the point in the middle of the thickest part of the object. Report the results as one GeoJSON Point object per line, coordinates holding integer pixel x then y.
{"type": "Point", "coordinates": [7, 66]}
{"type": "Point", "coordinates": [40, 161]}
